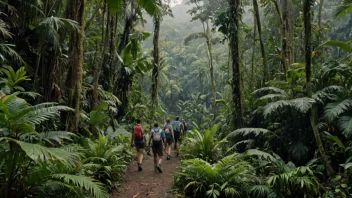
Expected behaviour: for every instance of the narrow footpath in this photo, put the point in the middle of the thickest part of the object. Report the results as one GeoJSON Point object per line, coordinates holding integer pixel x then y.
{"type": "Point", "coordinates": [147, 183]}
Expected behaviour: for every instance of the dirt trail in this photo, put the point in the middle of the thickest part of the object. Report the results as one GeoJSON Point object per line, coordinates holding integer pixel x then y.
{"type": "Point", "coordinates": [147, 183]}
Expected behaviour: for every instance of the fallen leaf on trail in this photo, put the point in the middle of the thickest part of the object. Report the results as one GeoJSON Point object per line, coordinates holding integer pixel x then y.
{"type": "Point", "coordinates": [136, 195]}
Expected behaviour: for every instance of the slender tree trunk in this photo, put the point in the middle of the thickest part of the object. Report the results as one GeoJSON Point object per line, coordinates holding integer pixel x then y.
{"type": "Point", "coordinates": [308, 59]}
{"type": "Point", "coordinates": [211, 65]}
{"type": "Point", "coordinates": [236, 73]}
{"type": "Point", "coordinates": [124, 79]}
{"type": "Point", "coordinates": [262, 47]}
{"type": "Point", "coordinates": [76, 12]}
{"type": "Point", "coordinates": [284, 37]}
{"type": "Point", "coordinates": [319, 17]}
{"type": "Point", "coordinates": [290, 21]}
{"type": "Point", "coordinates": [97, 71]}
{"type": "Point", "coordinates": [253, 54]}
{"type": "Point", "coordinates": [156, 62]}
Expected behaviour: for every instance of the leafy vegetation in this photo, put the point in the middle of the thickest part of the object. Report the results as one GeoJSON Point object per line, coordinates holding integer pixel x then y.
{"type": "Point", "coordinates": [265, 87]}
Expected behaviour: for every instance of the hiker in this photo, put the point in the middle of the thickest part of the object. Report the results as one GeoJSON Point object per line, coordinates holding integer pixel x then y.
{"type": "Point", "coordinates": [157, 135]}
{"type": "Point", "coordinates": [184, 127]}
{"type": "Point", "coordinates": [139, 143]}
{"type": "Point", "coordinates": [178, 128]}
{"type": "Point", "coordinates": [169, 133]}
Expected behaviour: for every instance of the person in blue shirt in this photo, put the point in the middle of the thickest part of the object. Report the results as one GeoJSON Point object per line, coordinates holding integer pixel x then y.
{"type": "Point", "coordinates": [157, 135]}
{"type": "Point", "coordinates": [178, 129]}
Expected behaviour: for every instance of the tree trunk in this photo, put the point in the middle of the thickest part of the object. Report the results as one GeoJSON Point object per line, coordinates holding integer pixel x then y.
{"type": "Point", "coordinates": [262, 47]}
{"type": "Point", "coordinates": [236, 73]}
{"type": "Point", "coordinates": [156, 62]}
{"type": "Point", "coordinates": [308, 59]}
{"type": "Point", "coordinates": [124, 79]}
{"type": "Point", "coordinates": [76, 13]}
{"type": "Point", "coordinates": [287, 33]}
{"type": "Point", "coordinates": [253, 54]}
{"type": "Point", "coordinates": [206, 30]}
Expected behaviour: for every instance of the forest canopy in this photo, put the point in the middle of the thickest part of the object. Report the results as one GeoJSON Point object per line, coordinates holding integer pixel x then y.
{"type": "Point", "coordinates": [264, 85]}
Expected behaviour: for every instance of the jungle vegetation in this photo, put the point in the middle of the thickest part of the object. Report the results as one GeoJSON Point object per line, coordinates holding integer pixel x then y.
{"type": "Point", "coordinates": [265, 86]}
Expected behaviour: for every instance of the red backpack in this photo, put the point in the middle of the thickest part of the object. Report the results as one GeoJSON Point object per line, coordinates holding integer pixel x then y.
{"type": "Point", "coordinates": [138, 131]}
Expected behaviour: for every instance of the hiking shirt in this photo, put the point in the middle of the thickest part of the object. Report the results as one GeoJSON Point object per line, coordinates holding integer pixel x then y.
{"type": "Point", "coordinates": [177, 125]}
{"type": "Point", "coordinates": [162, 134]}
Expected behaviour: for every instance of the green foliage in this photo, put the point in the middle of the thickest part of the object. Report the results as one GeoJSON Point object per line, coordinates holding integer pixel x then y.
{"type": "Point", "coordinates": [204, 145]}
{"type": "Point", "coordinates": [229, 177]}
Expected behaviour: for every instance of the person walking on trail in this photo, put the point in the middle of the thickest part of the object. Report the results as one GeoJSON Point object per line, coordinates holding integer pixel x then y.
{"type": "Point", "coordinates": [157, 136]}
{"type": "Point", "coordinates": [139, 143]}
{"type": "Point", "coordinates": [178, 128]}
{"type": "Point", "coordinates": [184, 127]}
{"type": "Point", "coordinates": [169, 133]}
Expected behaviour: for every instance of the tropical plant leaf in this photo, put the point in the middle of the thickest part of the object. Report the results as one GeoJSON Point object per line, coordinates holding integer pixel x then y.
{"type": "Point", "coordinates": [344, 46]}
{"type": "Point", "coordinates": [345, 123]}
{"type": "Point", "coordinates": [302, 104]}
{"type": "Point", "coordinates": [194, 36]}
{"type": "Point", "coordinates": [333, 110]}
{"type": "Point", "coordinates": [247, 131]}
{"type": "Point", "coordinates": [269, 90]}
{"type": "Point", "coordinates": [41, 153]}
{"type": "Point", "coordinates": [94, 188]}
{"type": "Point", "coordinates": [275, 106]}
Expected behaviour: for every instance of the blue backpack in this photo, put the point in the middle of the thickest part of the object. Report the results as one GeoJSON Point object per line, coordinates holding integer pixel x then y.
{"type": "Point", "coordinates": [177, 126]}
{"type": "Point", "coordinates": [168, 131]}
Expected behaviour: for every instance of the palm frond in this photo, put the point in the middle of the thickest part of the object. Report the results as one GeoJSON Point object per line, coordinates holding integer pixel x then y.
{"type": "Point", "coordinates": [247, 131]}
{"type": "Point", "coordinates": [274, 96]}
{"type": "Point", "coordinates": [269, 90]}
{"type": "Point", "coordinates": [4, 30]}
{"type": "Point", "coordinates": [194, 36]}
{"type": "Point", "coordinates": [7, 54]}
{"type": "Point", "coordinates": [275, 106]}
{"type": "Point", "coordinates": [56, 137]}
{"type": "Point", "coordinates": [94, 188]}
{"type": "Point", "coordinates": [333, 110]}
{"type": "Point", "coordinates": [265, 155]}
{"type": "Point", "coordinates": [345, 123]}
{"type": "Point", "coordinates": [302, 104]}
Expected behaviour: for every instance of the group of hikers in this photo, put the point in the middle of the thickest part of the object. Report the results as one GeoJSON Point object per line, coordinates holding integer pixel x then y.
{"type": "Point", "coordinates": [160, 139]}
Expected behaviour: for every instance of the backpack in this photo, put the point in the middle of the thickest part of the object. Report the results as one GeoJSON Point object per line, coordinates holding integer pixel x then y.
{"type": "Point", "coordinates": [138, 132]}
{"type": "Point", "coordinates": [168, 130]}
{"type": "Point", "coordinates": [156, 135]}
{"type": "Point", "coordinates": [177, 126]}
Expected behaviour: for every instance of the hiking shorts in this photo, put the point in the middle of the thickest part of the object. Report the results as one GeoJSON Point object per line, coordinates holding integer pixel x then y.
{"type": "Point", "coordinates": [169, 141]}
{"type": "Point", "coordinates": [139, 144]}
{"type": "Point", "coordinates": [177, 137]}
{"type": "Point", "coordinates": [157, 149]}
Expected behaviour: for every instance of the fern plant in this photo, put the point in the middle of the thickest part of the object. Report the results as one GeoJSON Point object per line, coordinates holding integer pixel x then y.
{"type": "Point", "coordinates": [229, 177]}
{"type": "Point", "coordinates": [204, 145]}
{"type": "Point", "coordinates": [29, 167]}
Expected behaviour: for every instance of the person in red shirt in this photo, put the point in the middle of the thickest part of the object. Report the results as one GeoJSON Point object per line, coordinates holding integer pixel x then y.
{"type": "Point", "coordinates": [139, 143]}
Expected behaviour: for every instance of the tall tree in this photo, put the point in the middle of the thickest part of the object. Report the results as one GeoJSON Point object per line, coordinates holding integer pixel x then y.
{"type": "Point", "coordinates": [262, 47]}
{"type": "Point", "coordinates": [236, 72]}
{"type": "Point", "coordinates": [287, 34]}
{"type": "Point", "coordinates": [156, 59]}
{"type": "Point", "coordinates": [307, 12]}
{"type": "Point", "coordinates": [76, 10]}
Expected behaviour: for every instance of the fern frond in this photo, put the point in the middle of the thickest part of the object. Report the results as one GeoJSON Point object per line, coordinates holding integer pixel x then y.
{"type": "Point", "coordinates": [41, 153]}
{"type": "Point", "coordinates": [94, 188]}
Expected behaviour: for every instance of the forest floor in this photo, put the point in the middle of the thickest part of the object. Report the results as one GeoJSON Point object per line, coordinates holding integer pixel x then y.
{"type": "Point", "coordinates": [148, 183]}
